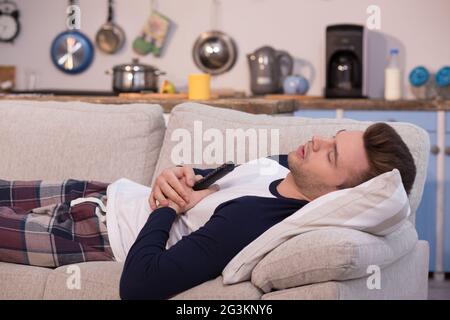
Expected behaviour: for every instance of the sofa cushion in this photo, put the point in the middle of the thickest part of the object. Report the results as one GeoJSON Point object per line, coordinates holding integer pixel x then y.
{"type": "Point", "coordinates": [59, 140]}
{"type": "Point", "coordinates": [405, 279]}
{"type": "Point", "coordinates": [292, 131]}
{"type": "Point", "coordinates": [317, 291]}
{"type": "Point", "coordinates": [331, 254]}
{"type": "Point", "coordinates": [22, 282]}
{"type": "Point", "coordinates": [97, 280]}
{"type": "Point", "coordinates": [378, 206]}
{"type": "Point", "coordinates": [100, 280]}
{"type": "Point", "coordinates": [216, 290]}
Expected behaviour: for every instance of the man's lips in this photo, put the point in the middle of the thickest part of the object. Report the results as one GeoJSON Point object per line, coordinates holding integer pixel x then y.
{"type": "Point", "coordinates": [301, 151]}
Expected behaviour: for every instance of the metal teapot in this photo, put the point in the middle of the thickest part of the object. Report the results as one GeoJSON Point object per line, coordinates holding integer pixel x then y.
{"type": "Point", "coordinates": [268, 69]}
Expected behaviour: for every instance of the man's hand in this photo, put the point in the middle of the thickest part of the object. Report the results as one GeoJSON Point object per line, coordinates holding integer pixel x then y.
{"type": "Point", "coordinates": [194, 197]}
{"type": "Point", "coordinates": [168, 186]}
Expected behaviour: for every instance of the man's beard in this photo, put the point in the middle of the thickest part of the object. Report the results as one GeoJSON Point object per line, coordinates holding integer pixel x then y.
{"type": "Point", "coordinates": [305, 181]}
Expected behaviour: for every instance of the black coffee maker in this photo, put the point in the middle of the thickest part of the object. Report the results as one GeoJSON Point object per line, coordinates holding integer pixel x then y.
{"type": "Point", "coordinates": [344, 61]}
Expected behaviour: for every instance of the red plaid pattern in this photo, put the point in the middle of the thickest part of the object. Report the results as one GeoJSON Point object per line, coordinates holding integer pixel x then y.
{"type": "Point", "coordinates": [39, 227]}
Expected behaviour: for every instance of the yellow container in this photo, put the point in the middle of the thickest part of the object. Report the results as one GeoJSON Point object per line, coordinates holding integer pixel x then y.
{"type": "Point", "coordinates": [199, 86]}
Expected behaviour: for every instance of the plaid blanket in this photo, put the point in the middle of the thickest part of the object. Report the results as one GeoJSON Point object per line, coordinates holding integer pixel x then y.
{"type": "Point", "coordinates": [42, 225]}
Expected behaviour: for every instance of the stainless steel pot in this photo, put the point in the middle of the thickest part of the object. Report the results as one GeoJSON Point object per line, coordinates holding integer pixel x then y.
{"type": "Point", "coordinates": [135, 77]}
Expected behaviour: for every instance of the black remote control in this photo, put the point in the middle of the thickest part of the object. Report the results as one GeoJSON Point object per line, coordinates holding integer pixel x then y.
{"type": "Point", "coordinates": [213, 176]}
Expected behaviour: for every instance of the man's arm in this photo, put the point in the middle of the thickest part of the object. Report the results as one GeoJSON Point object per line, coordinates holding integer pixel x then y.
{"type": "Point", "coordinates": [152, 272]}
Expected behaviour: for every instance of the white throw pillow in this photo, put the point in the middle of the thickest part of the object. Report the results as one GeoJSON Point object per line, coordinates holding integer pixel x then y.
{"type": "Point", "coordinates": [378, 206]}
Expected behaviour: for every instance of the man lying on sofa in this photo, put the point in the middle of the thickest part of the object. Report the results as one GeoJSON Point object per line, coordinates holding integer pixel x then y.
{"type": "Point", "coordinates": [165, 257]}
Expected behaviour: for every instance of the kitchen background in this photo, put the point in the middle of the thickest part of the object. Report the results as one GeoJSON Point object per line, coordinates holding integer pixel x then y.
{"type": "Point", "coordinates": [418, 28]}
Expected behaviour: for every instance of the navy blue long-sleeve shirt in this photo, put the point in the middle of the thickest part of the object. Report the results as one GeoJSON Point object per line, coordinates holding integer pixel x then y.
{"type": "Point", "coordinates": [152, 272]}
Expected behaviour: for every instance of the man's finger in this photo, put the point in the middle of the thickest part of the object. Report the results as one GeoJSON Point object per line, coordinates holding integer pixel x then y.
{"type": "Point", "coordinates": [160, 197]}
{"type": "Point", "coordinates": [175, 183]}
{"type": "Point", "coordinates": [179, 172]}
{"type": "Point", "coordinates": [152, 201]}
{"type": "Point", "coordinates": [190, 176]}
{"type": "Point", "coordinates": [170, 193]}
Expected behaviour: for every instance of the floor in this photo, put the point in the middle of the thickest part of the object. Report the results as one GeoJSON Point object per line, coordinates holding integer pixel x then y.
{"type": "Point", "coordinates": [438, 290]}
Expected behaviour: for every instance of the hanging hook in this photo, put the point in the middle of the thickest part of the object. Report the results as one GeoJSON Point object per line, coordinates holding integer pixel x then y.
{"type": "Point", "coordinates": [153, 5]}
{"type": "Point", "coordinates": [110, 11]}
{"type": "Point", "coordinates": [214, 14]}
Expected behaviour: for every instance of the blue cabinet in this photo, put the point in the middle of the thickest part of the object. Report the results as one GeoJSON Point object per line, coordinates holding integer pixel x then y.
{"type": "Point", "coordinates": [447, 196]}
{"type": "Point", "coordinates": [447, 121]}
{"type": "Point", "coordinates": [447, 201]}
{"type": "Point", "coordinates": [426, 212]}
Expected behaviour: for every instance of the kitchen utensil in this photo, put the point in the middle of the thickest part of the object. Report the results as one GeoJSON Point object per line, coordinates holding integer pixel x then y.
{"type": "Point", "coordinates": [142, 44]}
{"type": "Point", "coordinates": [71, 51]}
{"type": "Point", "coordinates": [135, 77]}
{"type": "Point", "coordinates": [345, 61]}
{"type": "Point", "coordinates": [442, 79]}
{"type": "Point", "coordinates": [214, 52]}
{"type": "Point", "coordinates": [295, 84]}
{"type": "Point", "coordinates": [158, 28]}
{"type": "Point", "coordinates": [154, 35]}
{"type": "Point", "coordinates": [110, 38]}
{"type": "Point", "coordinates": [268, 69]}
{"type": "Point", "coordinates": [418, 76]}
{"type": "Point", "coordinates": [421, 87]}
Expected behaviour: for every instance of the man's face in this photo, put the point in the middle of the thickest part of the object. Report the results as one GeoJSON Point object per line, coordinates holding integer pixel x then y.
{"type": "Point", "coordinates": [322, 164]}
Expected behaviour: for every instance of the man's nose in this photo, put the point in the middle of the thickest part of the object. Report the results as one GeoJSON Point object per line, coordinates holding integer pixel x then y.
{"type": "Point", "coordinates": [320, 142]}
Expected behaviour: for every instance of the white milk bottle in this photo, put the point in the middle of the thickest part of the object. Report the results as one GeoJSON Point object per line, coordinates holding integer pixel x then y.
{"type": "Point", "coordinates": [392, 78]}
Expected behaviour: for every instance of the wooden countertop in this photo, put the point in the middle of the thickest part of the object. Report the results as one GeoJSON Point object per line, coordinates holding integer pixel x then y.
{"type": "Point", "coordinates": [274, 104]}
{"type": "Point", "coordinates": [375, 104]}
{"type": "Point", "coordinates": [250, 105]}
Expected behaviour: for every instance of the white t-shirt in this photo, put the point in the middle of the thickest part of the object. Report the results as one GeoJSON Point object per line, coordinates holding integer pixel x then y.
{"type": "Point", "coordinates": [128, 208]}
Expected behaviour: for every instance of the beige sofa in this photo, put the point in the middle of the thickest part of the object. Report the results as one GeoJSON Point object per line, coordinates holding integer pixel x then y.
{"type": "Point", "coordinates": [55, 140]}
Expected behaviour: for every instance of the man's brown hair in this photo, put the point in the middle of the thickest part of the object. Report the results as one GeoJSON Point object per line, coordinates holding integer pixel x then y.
{"type": "Point", "coordinates": [385, 151]}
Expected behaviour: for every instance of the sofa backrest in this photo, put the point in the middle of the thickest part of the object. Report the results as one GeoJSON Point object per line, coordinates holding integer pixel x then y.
{"type": "Point", "coordinates": [195, 119]}
{"type": "Point", "coordinates": [60, 140]}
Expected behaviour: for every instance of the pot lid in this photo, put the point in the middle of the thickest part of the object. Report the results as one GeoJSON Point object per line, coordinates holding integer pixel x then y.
{"type": "Point", "coordinates": [134, 66]}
